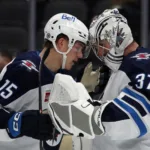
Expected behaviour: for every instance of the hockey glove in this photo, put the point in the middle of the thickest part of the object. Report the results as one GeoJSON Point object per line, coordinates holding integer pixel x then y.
{"type": "Point", "coordinates": [69, 107]}
{"type": "Point", "coordinates": [30, 123]}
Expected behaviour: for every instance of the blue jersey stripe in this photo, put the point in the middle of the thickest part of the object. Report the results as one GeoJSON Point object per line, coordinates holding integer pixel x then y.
{"type": "Point", "coordinates": [134, 103]}
{"type": "Point", "coordinates": [137, 97]}
{"type": "Point", "coordinates": [134, 115]}
{"type": "Point", "coordinates": [117, 115]}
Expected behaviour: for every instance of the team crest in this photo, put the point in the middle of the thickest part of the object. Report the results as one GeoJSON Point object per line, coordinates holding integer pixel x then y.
{"type": "Point", "coordinates": [29, 65]}
{"type": "Point", "coordinates": [142, 56]}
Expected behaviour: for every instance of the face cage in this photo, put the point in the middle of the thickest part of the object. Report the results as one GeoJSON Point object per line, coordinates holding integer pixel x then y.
{"type": "Point", "coordinates": [95, 47]}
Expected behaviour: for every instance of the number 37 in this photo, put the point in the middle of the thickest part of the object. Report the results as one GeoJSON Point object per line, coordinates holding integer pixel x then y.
{"type": "Point", "coordinates": [140, 79]}
{"type": "Point", "coordinates": [6, 90]}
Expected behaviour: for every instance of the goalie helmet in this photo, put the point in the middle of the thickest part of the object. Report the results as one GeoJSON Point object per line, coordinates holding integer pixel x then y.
{"type": "Point", "coordinates": [68, 25]}
{"type": "Point", "coordinates": [113, 27]}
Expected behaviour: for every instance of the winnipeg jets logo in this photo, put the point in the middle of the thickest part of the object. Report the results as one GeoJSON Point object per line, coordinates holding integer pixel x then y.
{"type": "Point", "coordinates": [141, 56]}
{"type": "Point", "coordinates": [120, 36]}
{"type": "Point", "coordinates": [115, 31]}
{"type": "Point", "coordinates": [28, 64]}
{"type": "Point", "coordinates": [55, 141]}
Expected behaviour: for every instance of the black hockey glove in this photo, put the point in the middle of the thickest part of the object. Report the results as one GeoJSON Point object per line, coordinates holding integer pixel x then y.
{"type": "Point", "coordinates": [31, 123]}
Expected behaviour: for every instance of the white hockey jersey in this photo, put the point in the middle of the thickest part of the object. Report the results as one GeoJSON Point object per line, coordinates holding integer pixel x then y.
{"type": "Point", "coordinates": [135, 72]}
{"type": "Point", "coordinates": [127, 119]}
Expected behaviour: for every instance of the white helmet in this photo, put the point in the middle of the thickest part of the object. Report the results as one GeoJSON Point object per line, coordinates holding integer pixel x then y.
{"type": "Point", "coordinates": [113, 27]}
{"type": "Point", "coordinates": [68, 25]}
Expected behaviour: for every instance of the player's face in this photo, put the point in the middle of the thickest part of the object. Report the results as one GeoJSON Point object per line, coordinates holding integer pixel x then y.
{"type": "Point", "coordinates": [75, 54]}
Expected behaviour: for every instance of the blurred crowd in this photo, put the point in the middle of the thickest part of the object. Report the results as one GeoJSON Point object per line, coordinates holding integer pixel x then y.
{"type": "Point", "coordinates": [15, 19]}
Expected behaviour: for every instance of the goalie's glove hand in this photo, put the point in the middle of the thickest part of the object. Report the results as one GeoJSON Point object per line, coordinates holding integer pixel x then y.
{"type": "Point", "coordinates": [30, 123]}
{"type": "Point", "coordinates": [70, 108]}
{"type": "Point", "coordinates": [90, 78]}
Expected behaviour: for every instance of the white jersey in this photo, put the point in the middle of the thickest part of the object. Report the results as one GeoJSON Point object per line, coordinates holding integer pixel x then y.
{"type": "Point", "coordinates": [104, 142]}
{"type": "Point", "coordinates": [134, 72]}
{"type": "Point", "coordinates": [115, 84]}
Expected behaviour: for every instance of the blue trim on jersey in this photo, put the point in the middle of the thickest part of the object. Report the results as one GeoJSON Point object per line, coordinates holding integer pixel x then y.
{"type": "Point", "coordinates": [134, 103]}
{"type": "Point", "coordinates": [117, 115]}
{"type": "Point", "coordinates": [137, 97]}
{"type": "Point", "coordinates": [134, 115]}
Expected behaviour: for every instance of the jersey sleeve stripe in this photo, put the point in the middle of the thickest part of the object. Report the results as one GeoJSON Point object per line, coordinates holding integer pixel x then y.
{"type": "Point", "coordinates": [138, 97]}
{"type": "Point", "coordinates": [137, 119]}
{"type": "Point", "coordinates": [117, 115]}
{"type": "Point", "coordinates": [135, 104]}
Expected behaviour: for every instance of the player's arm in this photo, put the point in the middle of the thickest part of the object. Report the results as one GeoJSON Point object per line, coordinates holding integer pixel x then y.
{"type": "Point", "coordinates": [29, 123]}
{"type": "Point", "coordinates": [124, 117]}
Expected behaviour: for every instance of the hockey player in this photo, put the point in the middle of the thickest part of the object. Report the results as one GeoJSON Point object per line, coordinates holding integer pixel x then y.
{"type": "Point", "coordinates": [65, 36]}
{"type": "Point", "coordinates": [123, 116]}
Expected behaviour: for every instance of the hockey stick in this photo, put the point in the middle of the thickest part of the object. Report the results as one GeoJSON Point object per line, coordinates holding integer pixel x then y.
{"type": "Point", "coordinates": [40, 84]}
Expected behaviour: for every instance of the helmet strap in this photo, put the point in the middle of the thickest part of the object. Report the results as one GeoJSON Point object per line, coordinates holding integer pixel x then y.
{"type": "Point", "coordinates": [64, 54]}
{"type": "Point", "coordinates": [64, 61]}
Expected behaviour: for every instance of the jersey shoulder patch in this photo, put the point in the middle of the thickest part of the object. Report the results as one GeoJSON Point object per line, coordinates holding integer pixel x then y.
{"type": "Point", "coordinates": [137, 61]}
{"type": "Point", "coordinates": [29, 65]}
{"type": "Point", "coordinates": [141, 56]}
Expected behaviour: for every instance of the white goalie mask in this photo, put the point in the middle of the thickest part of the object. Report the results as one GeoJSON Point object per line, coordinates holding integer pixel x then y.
{"type": "Point", "coordinates": [113, 27]}
{"type": "Point", "coordinates": [70, 26]}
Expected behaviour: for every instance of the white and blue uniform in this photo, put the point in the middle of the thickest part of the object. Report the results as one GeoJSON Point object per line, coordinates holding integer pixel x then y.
{"type": "Point", "coordinates": [126, 118]}
{"type": "Point", "coordinates": [19, 92]}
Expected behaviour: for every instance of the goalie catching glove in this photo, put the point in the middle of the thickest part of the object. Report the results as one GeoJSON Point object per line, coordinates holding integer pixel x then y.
{"type": "Point", "coordinates": [69, 105]}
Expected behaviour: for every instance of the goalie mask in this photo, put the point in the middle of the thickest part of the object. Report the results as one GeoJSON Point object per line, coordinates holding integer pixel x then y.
{"type": "Point", "coordinates": [70, 26]}
{"type": "Point", "coordinates": [111, 27]}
